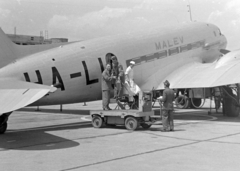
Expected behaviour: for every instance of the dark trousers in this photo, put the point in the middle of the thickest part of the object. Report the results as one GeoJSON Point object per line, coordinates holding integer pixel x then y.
{"type": "Point", "coordinates": [167, 120]}
{"type": "Point", "coordinates": [217, 101]}
{"type": "Point", "coordinates": [105, 98]}
{"type": "Point", "coordinates": [118, 89]}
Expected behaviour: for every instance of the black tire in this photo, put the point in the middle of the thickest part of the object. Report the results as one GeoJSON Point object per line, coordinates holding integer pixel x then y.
{"type": "Point", "coordinates": [145, 126]}
{"type": "Point", "coordinates": [97, 121]}
{"type": "Point", "coordinates": [131, 123]}
{"type": "Point", "coordinates": [182, 102]}
{"type": "Point", "coordinates": [3, 128]}
{"type": "Point", "coordinates": [195, 102]}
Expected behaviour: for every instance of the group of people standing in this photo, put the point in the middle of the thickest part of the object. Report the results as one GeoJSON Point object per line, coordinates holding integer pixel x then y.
{"type": "Point", "coordinates": [114, 77]}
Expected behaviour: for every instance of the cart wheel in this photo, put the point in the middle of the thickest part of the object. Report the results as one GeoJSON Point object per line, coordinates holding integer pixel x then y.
{"type": "Point", "coordinates": [131, 123]}
{"type": "Point", "coordinates": [97, 121]}
{"type": "Point", "coordinates": [145, 126]}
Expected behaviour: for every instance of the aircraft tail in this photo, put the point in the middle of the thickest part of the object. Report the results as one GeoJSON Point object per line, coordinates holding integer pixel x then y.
{"type": "Point", "coordinates": [10, 51]}
{"type": "Point", "coordinates": [7, 50]}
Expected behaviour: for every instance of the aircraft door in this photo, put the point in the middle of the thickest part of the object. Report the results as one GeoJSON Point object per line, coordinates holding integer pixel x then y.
{"type": "Point", "coordinates": [116, 71]}
{"type": "Point", "coordinates": [108, 59]}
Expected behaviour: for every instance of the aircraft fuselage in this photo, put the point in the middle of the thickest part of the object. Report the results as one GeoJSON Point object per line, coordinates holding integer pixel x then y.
{"type": "Point", "coordinates": [78, 66]}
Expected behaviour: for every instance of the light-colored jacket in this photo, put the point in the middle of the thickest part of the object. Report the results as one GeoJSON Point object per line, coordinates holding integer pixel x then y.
{"type": "Point", "coordinates": [106, 80]}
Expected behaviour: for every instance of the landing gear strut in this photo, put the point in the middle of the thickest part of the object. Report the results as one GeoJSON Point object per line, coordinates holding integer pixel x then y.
{"type": "Point", "coordinates": [3, 122]}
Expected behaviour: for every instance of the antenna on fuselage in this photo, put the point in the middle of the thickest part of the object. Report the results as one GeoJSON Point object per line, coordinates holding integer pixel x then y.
{"type": "Point", "coordinates": [189, 10]}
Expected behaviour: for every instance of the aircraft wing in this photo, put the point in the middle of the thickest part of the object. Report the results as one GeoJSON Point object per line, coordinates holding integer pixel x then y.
{"type": "Point", "coordinates": [196, 75]}
{"type": "Point", "coordinates": [15, 94]}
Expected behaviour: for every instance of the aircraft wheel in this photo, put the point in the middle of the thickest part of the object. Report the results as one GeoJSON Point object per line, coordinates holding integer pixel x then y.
{"type": "Point", "coordinates": [131, 123]}
{"type": "Point", "coordinates": [3, 128]}
{"type": "Point", "coordinates": [195, 102]}
{"type": "Point", "coordinates": [145, 126]}
{"type": "Point", "coordinates": [182, 102]}
{"type": "Point", "coordinates": [97, 121]}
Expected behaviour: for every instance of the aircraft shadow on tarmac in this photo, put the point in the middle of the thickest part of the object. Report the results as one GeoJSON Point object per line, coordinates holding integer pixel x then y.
{"type": "Point", "coordinates": [39, 138]}
{"type": "Point", "coordinates": [160, 130]}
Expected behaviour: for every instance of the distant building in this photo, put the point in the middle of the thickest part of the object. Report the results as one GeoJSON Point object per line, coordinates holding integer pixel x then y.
{"type": "Point", "coordinates": [34, 40]}
{"type": "Point", "coordinates": [59, 40]}
{"type": "Point", "coordinates": [55, 40]}
{"type": "Point", "coordinates": [26, 40]}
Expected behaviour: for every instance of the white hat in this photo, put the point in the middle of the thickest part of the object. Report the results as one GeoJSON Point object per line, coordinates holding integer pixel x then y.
{"type": "Point", "coordinates": [132, 62]}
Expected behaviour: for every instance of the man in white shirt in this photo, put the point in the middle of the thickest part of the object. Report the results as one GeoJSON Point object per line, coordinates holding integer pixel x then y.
{"type": "Point", "coordinates": [129, 72]}
{"type": "Point", "coordinates": [131, 88]}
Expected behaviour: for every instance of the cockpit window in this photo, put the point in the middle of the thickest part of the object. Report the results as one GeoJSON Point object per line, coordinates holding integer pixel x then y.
{"type": "Point", "coordinates": [214, 33]}
{"type": "Point", "coordinates": [219, 32]}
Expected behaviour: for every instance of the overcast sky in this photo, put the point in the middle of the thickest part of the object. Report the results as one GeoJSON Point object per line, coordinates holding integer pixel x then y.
{"type": "Point", "coordinates": [85, 19]}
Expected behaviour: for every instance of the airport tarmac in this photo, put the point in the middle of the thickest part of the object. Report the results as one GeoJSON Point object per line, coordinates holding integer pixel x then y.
{"type": "Point", "coordinates": [51, 140]}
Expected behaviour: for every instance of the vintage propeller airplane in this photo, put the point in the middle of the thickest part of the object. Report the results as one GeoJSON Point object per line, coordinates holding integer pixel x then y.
{"type": "Point", "coordinates": [188, 55]}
